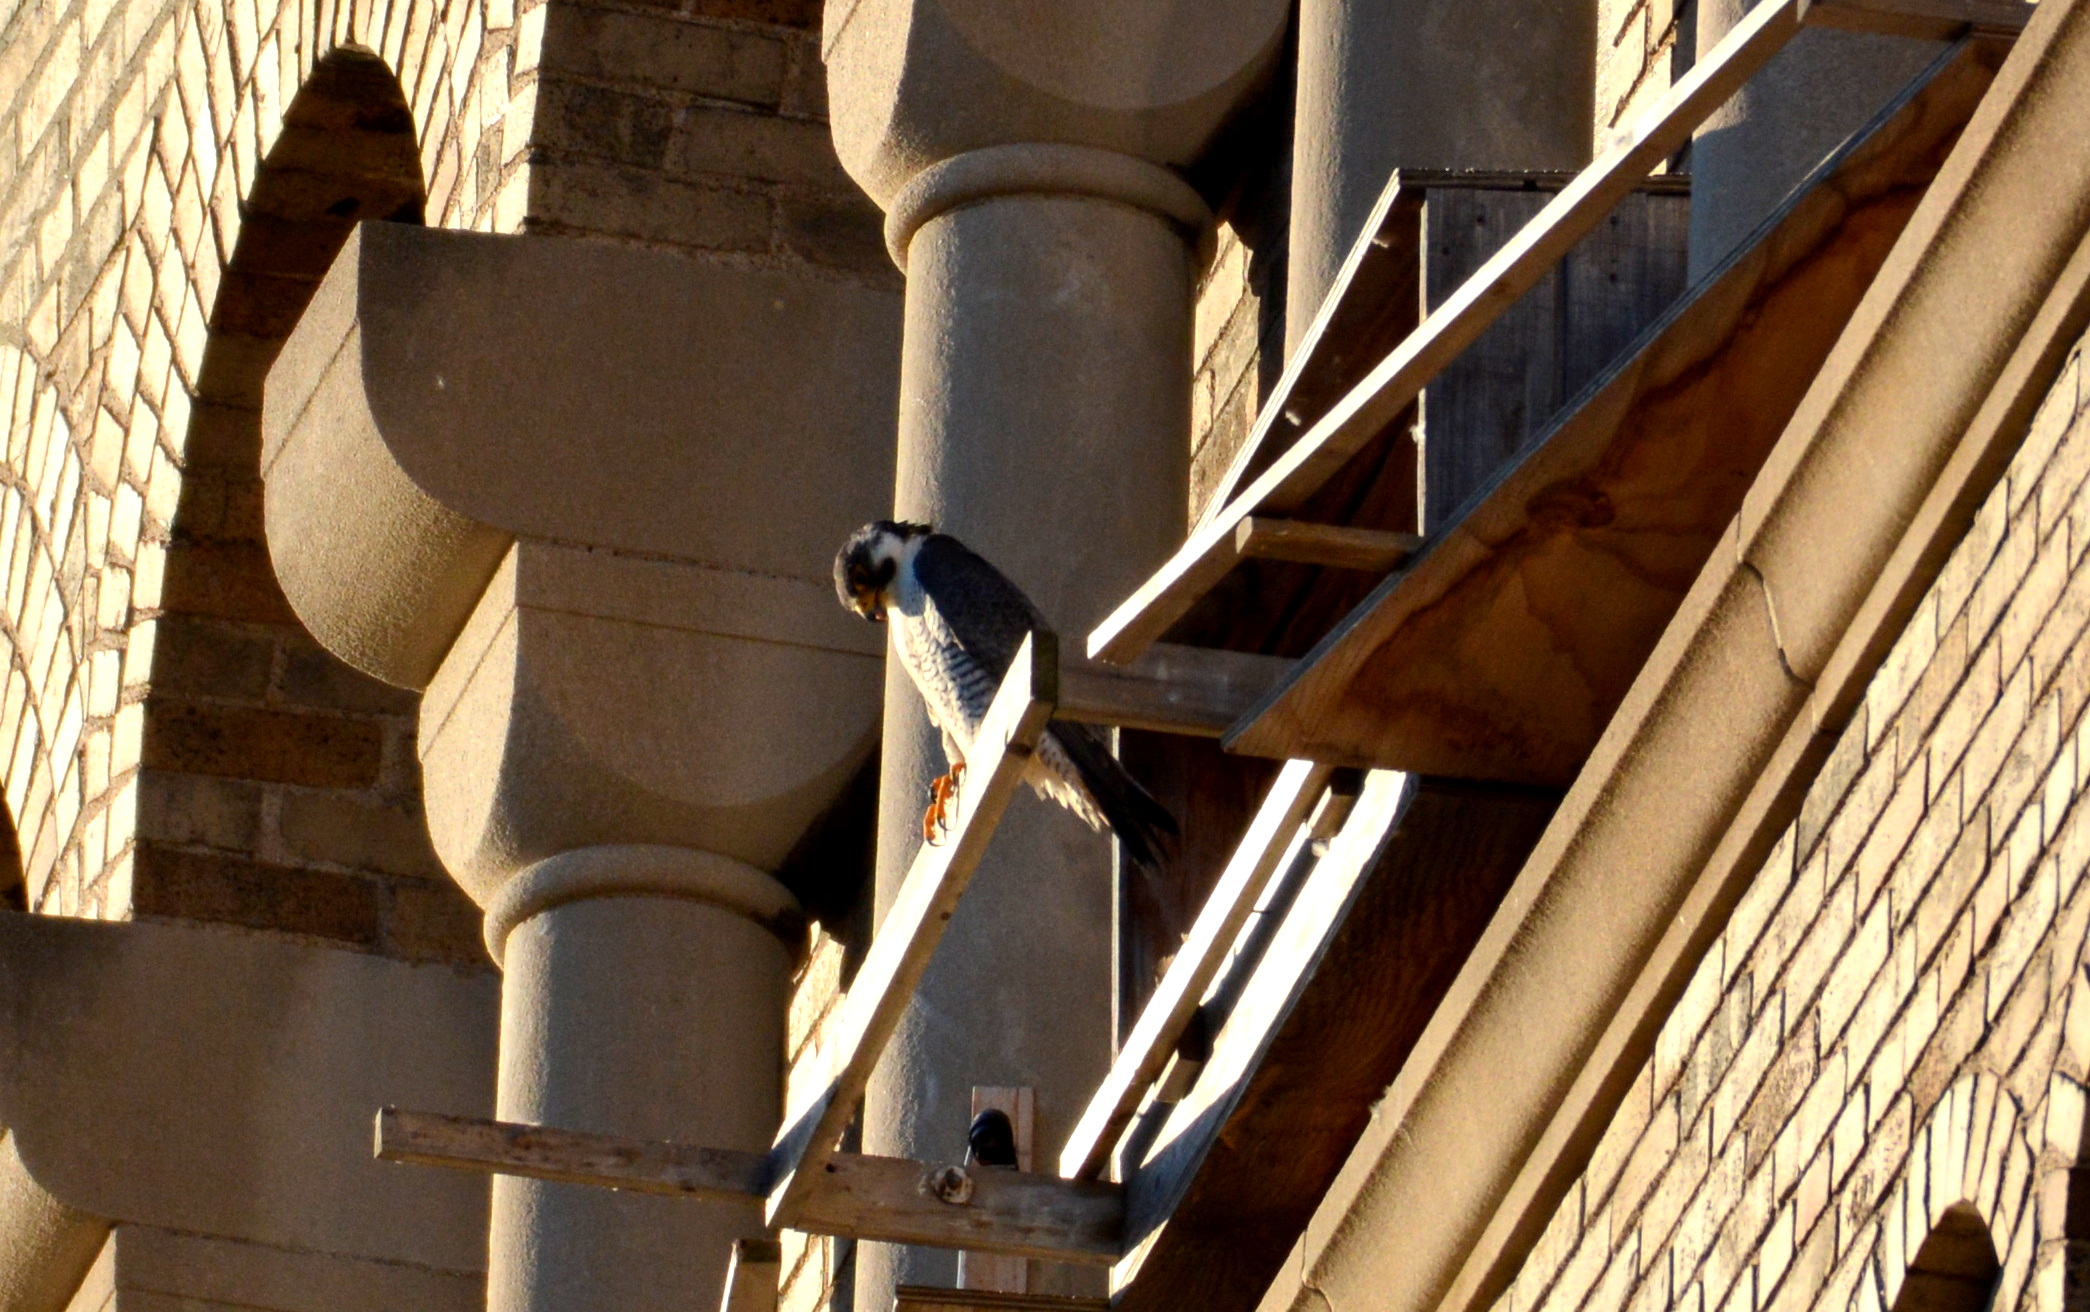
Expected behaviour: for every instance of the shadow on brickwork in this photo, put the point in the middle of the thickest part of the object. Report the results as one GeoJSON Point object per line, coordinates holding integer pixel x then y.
{"type": "Point", "coordinates": [279, 788]}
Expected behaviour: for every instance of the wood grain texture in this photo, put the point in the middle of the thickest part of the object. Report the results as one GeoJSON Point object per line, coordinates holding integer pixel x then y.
{"type": "Point", "coordinates": [1197, 691]}
{"type": "Point", "coordinates": [1003, 1272]}
{"type": "Point", "coordinates": [1502, 651]}
{"type": "Point", "coordinates": [849, 1195]}
{"type": "Point", "coordinates": [1014, 1212]}
{"type": "Point", "coordinates": [825, 1083]}
{"type": "Point", "coordinates": [543, 1152]}
{"type": "Point", "coordinates": [1368, 946]}
{"type": "Point", "coordinates": [1293, 477]}
{"type": "Point", "coordinates": [1334, 546]}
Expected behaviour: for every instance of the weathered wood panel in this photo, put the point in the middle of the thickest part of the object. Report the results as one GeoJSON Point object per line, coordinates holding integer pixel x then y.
{"type": "Point", "coordinates": [1503, 650]}
{"type": "Point", "coordinates": [1498, 397]}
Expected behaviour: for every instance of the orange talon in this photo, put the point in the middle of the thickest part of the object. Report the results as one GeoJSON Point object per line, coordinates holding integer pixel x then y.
{"type": "Point", "coordinates": [943, 797]}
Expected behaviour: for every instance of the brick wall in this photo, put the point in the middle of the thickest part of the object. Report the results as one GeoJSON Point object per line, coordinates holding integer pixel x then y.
{"type": "Point", "coordinates": [1896, 1019]}
{"type": "Point", "coordinates": [1643, 47]}
{"type": "Point", "coordinates": [174, 177]}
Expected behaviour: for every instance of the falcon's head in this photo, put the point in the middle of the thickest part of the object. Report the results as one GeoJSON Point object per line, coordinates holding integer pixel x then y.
{"type": "Point", "coordinates": [869, 563]}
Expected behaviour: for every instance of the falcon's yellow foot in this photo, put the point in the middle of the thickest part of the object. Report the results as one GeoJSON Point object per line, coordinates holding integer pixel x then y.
{"type": "Point", "coordinates": [943, 799]}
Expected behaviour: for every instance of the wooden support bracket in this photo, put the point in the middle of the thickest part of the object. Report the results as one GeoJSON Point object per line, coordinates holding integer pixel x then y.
{"type": "Point", "coordinates": [1456, 324]}
{"type": "Point", "coordinates": [1153, 1039]}
{"type": "Point", "coordinates": [1373, 551]}
{"type": "Point", "coordinates": [752, 1276]}
{"type": "Point", "coordinates": [825, 1083]}
{"type": "Point", "coordinates": [1198, 691]}
{"type": "Point", "coordinates": [858, 1197]}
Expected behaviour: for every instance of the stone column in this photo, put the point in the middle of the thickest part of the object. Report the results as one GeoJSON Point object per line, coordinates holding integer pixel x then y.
{"type": "Point", "coordinates": [1432, 84]}
{"type": "Point", "coordinates": [640, 995]}
{"type": "Point", "coordinates": [586, 498]}
{"type": "Point", "coordinates": [1822, 87]}
{"type": "Point", "coordinates": [1029, 170]}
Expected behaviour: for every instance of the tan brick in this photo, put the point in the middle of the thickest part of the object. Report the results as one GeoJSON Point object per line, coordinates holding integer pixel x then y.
{"type": "Point", "coordinates": [175, 884]}
{"type": "Point", "coordinates": [358, 831]}
{"type": "Point", "coordinates": [633, 203]}
{"type": "Point", "coordinates": [2029, 467]}
{"type": "Point", "coordinates": [2004, 721]}
{"type": "Point", "coordinates": [432, 920]}
{"type": "Point", "coordinates": [1963, 712]}
{"type": "Point", "coordinates": [284, 747]}
{"type": "Point", "coordinates": [842, 231]}
{"type": "Point", "coordinates": [666, 54]}
{"type": "Point", "coordinates": [188, 810]}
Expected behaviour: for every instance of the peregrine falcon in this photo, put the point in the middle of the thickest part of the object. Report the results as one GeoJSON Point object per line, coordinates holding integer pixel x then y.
{"type": "Point", "coordinates": [957, 622]}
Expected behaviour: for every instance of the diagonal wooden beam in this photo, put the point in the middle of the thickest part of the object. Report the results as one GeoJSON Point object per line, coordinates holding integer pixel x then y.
{"type": "Point", "coordinates": [1167, 1014]}
{"type": "Point", "coordinates": [826, 1082]}
{"type": "Point", "coordinates": [859, 1197]}
{"type": "Point", "coordinates": [1456, 324]}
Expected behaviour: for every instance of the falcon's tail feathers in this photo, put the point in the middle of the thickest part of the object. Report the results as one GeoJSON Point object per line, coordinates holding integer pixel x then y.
{"type": "Point", "coordinates": [1142, 824]}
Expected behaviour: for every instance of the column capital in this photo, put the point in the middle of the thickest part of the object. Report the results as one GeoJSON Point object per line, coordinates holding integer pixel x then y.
{"type": "Point", "coordinates": [915, 86]}
{"type": "Point", "coordinates": [1039, 168]}
{"type": "Point", "coordinates": [642, 870]}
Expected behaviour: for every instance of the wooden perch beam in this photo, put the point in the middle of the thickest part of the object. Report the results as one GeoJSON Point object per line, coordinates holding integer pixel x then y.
{"type": "Point", "coordinates": [1373, 551]}
{"type": "Point", "coordinates": [543, 1152]}
{"type": "Point", "coordinates": [1161, 1024]}
{"type": "Point", "coordinates": [825, 1083]}
{"type": "Point", "coordinates": [883, 1198]}
{"type": "Point", "coordinates": [1198, 691]}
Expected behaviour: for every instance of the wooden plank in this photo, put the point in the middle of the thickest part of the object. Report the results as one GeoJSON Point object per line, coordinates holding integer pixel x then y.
{"type": "Point", "coordinates": [1372, 304]}
{"type": "Point", "coordinates": [924, 1298]}
{"type": "Point", "coordinates": [857, 1197]}
{"type": "Point", "coordinates": [752, 1276]}
{"type": "Point", "coordinates": [1014, 1212]}
{"type": "Point", "coordinates": [1936, 20]}
{"type": "Point", "coordinates": [825, 1083]}
{"type": "Point", "coordinates": [1502, 392]}
{"type": "Point", "coordinates": [1374, 551]}
{"type": "Point", "coordinates": [1495, 286]}
{"type": "Point", "coordinates": [1366, 950]}
{"type": "Point", "coordinates": [1501, 652]}
{"type": "Point", "coordinates": [1198, 691]}
{"type": "Point", "coordinates": [1153, 1040]}
{"type": "Point", "coordinates": [569, 1157]}
{"type": "Point", "coordinates": [1000, 1272]}
{"type": "Point", "coordinates": [1368, 308]}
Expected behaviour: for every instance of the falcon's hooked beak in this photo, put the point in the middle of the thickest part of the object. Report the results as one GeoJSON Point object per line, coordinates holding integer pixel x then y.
{"type": "Point", "coordinates": [868, 564]}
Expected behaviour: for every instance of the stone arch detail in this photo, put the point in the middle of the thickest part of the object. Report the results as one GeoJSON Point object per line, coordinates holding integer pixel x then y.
{"type": "Point", "coordinates": [278, 788]}
{"type": "Point", "coordinates": [56, 695]}
{"type": "Point", "coordinates": [1971, 1167]}
{"type": "Point", "coordinates": [1956, 1268]}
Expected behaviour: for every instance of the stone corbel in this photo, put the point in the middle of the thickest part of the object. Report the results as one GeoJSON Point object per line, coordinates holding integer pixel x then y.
{"type": "Point", "coordinates": [587, 498]}
{"type": "Point", "coordinates": [941, 103]}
